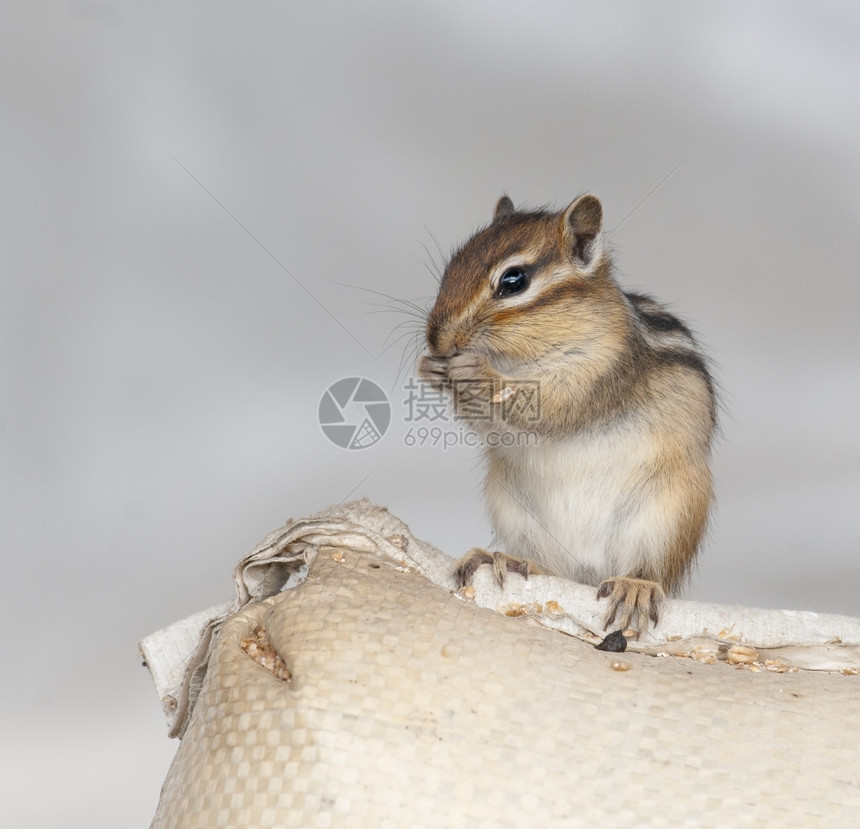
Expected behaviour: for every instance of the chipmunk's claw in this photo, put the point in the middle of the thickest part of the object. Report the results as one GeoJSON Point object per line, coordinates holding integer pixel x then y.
{"type": "Point", "coordinates": [434, 370]}
{"type": "Point", "coordinates": [638, 601]}
{"type": "Point", "coordinates": [502, 564]}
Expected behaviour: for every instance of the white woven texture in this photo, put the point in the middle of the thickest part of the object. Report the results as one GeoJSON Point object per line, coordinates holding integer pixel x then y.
{"type": "Point", "coordinates": [178, 655]}
{"type": "Point", "coordinates": [410, 706]}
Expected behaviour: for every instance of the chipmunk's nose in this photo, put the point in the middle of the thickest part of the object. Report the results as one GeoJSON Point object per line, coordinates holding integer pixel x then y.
{"type": "Point", "coordinates": [448, 344]}
{"type": "Point", "coordinates": [440, 338]}
{"type": "Point", "coordinates": [446, 336]}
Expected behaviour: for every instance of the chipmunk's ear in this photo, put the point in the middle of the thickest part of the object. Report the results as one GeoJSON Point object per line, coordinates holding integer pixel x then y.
{"type": "Point", "coordinates": [504, 207]}
{"type": "Point", "coordinates": [580, 230]}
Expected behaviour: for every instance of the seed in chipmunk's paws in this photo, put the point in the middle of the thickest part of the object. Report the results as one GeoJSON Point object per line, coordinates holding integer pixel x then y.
{"type": "Point", "coordinates": [615, 642]}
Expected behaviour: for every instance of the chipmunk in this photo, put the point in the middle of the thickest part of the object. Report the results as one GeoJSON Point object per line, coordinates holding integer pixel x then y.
{"type": "Point", "coordinates": [615, 487]}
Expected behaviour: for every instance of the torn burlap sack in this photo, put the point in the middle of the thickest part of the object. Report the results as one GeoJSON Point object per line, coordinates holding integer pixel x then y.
{"type": "Point", "coordinates": [348, 685]}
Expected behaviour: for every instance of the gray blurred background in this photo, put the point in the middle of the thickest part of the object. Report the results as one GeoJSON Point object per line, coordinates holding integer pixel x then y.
{"type": "Point", "coordinates": [194, 198]}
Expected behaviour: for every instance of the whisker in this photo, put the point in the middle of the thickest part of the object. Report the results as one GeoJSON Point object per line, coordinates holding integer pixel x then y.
{"type": "Point", "coordinates": [433, 267]}
{"type": "Point", "coordinates": [442, 255]}
{"type": "Point", "coordinates": [410, 335]}
{"type": "Point", "coordinates": [408, 356]}
{"type": "Point", "coordinates": [408, 305]}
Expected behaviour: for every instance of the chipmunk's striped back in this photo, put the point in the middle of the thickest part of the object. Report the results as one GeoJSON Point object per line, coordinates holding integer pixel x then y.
{"type": "Point", "coordinates": [671, 340]}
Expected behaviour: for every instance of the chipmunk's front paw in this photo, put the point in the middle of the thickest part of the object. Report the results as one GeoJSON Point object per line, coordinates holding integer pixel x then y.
{"type": "Point", "coordinates": [467, 367]}
{"type": "Point", "coordinates": [434, 370]}
{"type": "Point", "coordinates": [475, 385]}
{"type": "Point", "coordinates": [501, 563]}
{"type": "Point", "coordinates": [637, 601]}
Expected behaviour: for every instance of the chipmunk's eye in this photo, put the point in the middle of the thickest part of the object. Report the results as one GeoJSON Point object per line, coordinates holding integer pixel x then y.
{"type": "Point", "coordinates": [513, 281]}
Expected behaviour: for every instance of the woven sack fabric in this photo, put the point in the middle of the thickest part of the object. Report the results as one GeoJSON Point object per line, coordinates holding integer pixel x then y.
{"type": "Point", "coordinates": [409, 706]}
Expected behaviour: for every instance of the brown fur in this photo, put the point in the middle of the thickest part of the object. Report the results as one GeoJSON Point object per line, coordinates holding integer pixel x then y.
{"type": "Point", "coordinates": [616, 372]}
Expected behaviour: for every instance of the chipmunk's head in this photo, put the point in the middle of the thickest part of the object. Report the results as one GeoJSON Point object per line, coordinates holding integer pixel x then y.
{"type": "Point", "coordinates": [528, 284]}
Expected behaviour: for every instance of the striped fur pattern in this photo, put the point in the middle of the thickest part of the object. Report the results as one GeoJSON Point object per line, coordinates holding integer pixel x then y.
{"type": "Point", "coordinates": [618, 485]}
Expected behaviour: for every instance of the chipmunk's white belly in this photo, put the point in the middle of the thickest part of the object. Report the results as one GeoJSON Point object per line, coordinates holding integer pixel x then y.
{"type": "Point", "coordinates": [587, 508]}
